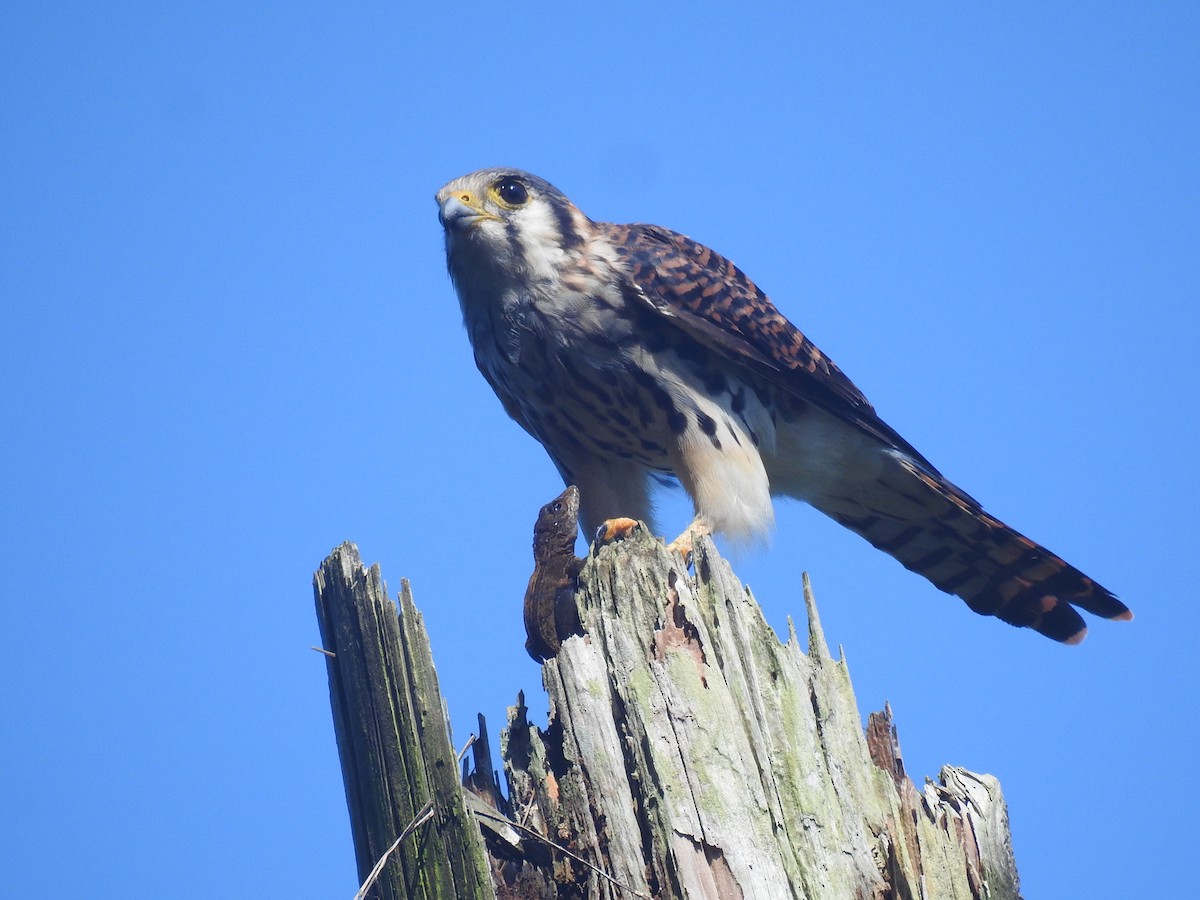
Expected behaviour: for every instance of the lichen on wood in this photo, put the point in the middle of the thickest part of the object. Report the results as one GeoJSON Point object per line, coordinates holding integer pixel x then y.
{"type": "Point", "coordinates": [689, 753]}
{"type": "Point", "coordinates": [693, 754]}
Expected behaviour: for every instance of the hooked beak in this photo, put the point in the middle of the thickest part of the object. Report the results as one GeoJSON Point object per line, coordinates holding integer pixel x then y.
{"type": "Point", "coordinates": [455, 215]}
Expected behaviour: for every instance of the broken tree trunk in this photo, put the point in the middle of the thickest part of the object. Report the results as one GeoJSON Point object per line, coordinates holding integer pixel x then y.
{"type": "Point", "coordinates": [699, 757]}
{"type": "Point", "coordinates": [400, 772]}
{"type": "Point", "coordinates": [690, 754]}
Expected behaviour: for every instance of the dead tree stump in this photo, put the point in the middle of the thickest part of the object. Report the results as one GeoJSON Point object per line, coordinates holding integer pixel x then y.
{"type": "Point", "coordinates": [397, 764]}
{"type": "Point", "coordinates": [691, 754]}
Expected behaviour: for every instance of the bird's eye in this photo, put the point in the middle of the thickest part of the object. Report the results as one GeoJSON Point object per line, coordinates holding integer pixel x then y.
{"type": "Point", "coordinates": [511, 191]}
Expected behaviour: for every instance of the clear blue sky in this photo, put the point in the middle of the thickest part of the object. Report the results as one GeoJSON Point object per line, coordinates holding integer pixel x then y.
{"type": "Point", "coordinates": [228, 344]}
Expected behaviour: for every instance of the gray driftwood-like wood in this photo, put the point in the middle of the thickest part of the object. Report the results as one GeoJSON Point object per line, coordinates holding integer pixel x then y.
{"type": "Point", "coordinates": [691, 754]}
{"type": "Point", "coordinates": [393, 739]}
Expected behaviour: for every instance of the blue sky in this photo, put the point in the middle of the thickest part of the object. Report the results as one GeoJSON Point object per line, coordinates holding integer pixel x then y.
{"type": "Point", "coordinates": [229, 344]}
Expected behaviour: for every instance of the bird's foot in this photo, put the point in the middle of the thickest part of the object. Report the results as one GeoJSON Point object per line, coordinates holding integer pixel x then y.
{"type": "Point", "coordinates": [684, 545]}
{"type": "Point", "coordinates": [615, 530]}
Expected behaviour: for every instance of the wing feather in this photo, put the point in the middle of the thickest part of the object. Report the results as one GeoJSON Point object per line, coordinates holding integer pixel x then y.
{"type": "Point", "coordinates": [710, 299]}
{"type": "Point", "coordinates": [957, 545]}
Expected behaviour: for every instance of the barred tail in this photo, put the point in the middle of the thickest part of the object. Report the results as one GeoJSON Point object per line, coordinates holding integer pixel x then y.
{"type": "Point", "coordinates": [936, 530]}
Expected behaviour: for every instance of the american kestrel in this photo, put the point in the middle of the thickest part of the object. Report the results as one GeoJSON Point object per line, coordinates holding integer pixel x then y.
{"type": "Point", "coordinates": [630, 351]}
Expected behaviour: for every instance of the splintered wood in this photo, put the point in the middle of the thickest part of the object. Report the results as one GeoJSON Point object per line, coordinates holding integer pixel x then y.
{"type": "Point", "coordinates": [689, 754]}
{"type": "Point", "coordinates": [413, 836]}
{"type": "Point", "coordinates": [692, 755]}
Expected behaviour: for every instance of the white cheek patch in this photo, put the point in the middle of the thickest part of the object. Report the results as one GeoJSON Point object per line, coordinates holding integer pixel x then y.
{"type": "Point", "coordinates": [537, 230]}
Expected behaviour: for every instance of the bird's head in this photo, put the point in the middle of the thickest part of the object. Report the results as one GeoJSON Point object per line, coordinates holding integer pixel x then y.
{"type": "Point", "coordinates": [509, 220]}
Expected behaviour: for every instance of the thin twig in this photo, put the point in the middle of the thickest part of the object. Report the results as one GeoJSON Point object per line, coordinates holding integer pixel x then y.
{"type": "Point", "coordinates": [530, 805]}
{"type": "Point", "coordinates": [466, 747]}
{"type": "Point", "coordinates": [559, 847]}
{"type": "Point", "coordinates": [421, 818]}
{"type": "Point", "coordinates": [323, 650]}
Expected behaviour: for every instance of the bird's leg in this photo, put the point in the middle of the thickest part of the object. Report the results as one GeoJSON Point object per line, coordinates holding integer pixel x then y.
{"type": "Point", "coordinates": [684, 544]}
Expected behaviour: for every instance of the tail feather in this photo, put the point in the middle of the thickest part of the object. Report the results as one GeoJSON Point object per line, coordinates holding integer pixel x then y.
{"type": "Point", "coordinates": [934, 529]}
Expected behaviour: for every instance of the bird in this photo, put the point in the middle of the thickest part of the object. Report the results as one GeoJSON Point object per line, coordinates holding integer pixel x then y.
{"type": "Point", "coordinates": [633, 353]}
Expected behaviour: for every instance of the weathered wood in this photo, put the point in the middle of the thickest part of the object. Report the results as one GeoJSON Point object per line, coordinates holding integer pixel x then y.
{"type": "Point", "coordinates": [690, 754]}
{"type": "Point", "coordinates": [393, 739]}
